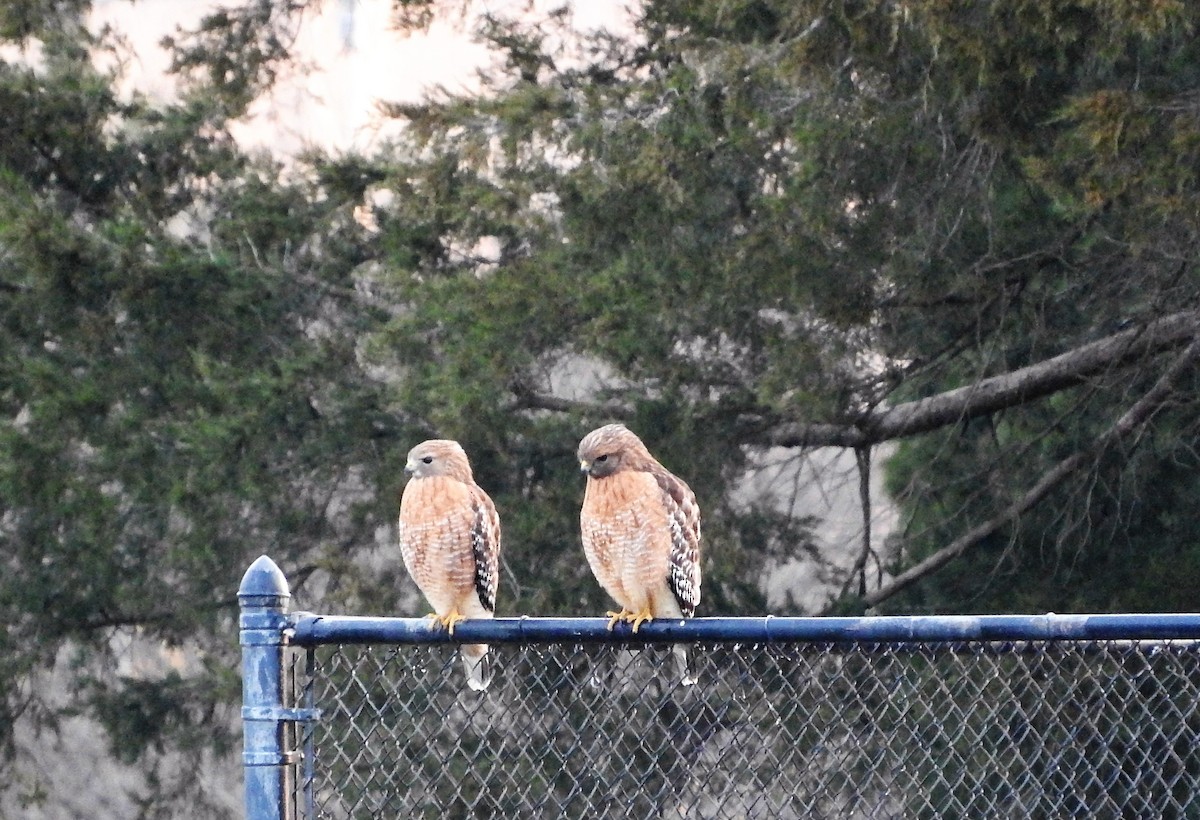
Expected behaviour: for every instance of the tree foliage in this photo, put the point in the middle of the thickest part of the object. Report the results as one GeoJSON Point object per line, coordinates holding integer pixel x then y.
{"type": "Point", "coordinates": [967, 228]}
{"type": "Point", "coordinates": [807, 224]}
{"type": "Point", "coordinates": [180, 390]}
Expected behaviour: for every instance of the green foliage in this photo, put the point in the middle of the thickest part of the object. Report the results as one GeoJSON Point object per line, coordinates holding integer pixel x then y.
{"type": "Point", "coordinates": [170, 405]}
{"type": "Point", "coordinates": [236, 52]}
{"type": "Point", "coordinates": [737, 211]}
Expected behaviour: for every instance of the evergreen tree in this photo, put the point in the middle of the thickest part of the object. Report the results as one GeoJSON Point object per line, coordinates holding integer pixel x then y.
{"type": "Point", "coordinates": [180, 389]}
{"type": "Point", "coordinates": [808, 224]}
{"type": "Point", "coordinates": [968, 229]}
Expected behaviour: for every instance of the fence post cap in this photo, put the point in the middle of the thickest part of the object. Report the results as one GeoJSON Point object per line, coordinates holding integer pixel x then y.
{"type": "Point", "coordinates": [264, 578]}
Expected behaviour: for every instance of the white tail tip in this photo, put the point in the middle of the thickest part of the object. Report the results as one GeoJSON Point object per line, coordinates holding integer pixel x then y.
{"type": "Point", "coordinates": [477, 666]}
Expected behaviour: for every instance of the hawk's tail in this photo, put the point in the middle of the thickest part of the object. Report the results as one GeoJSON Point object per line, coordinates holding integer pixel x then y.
{"type": "Point", "coordinates": [477, 663]}
{"type": "Point", "coordinates": [680, 652]}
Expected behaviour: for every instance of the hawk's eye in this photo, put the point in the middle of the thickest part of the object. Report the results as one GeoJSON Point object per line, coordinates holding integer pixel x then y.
{"type": "Point", "coordinates": [428, 459]}
{"type": "Point", "coordinates": [602, 458]}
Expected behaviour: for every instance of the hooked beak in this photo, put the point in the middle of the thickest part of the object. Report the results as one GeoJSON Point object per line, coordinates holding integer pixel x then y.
{"type": "Point", "coordinates": [585, 466]}
{"type": "Point", "coordinates": [409, 468]}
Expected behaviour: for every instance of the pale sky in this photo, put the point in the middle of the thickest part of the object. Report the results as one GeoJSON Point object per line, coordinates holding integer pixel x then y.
{"type": "Point", "coordinates": [332, 106]}
{"type": "Point", "coordinates": [358, 60]}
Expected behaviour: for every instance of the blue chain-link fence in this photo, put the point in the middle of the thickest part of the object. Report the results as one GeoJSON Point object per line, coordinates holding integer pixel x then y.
{"type": "Point", "coordinates": [992, 716]}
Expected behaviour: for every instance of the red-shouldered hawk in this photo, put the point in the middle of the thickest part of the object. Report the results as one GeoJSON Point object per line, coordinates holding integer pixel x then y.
{"type": "Point", "coordinates": [449, 536]}
{"type": "Point", "coordinates": [641, 531]}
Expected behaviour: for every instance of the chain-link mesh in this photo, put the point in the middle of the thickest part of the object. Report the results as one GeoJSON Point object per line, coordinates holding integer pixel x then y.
{"type": "Point", "coordinates": [972, 729]}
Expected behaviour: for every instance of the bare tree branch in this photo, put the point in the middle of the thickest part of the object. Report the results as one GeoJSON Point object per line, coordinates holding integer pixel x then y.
{"type": "Point", "coordinates": [986, 396]}
{"type": "Point", "coordinates": [1026, 384]}
{"type": "Point", "coordinates": [1133, 419]}
{"type": "Point", "coordinates": [526, 398]}
{"type": "Point", "coordinates": [862, 458]}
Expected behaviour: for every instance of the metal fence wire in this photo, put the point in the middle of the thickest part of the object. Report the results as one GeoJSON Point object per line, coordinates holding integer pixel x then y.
{"type": "Point", "coordinates": [778, 730]}
{"type": "Point", "coordinates": [992, 716]}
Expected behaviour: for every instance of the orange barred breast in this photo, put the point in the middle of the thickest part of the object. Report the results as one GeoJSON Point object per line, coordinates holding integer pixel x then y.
{"type": "Point", "coordinates": [626, 536]}
{"type": "Point", "coordinates": [435, 523]}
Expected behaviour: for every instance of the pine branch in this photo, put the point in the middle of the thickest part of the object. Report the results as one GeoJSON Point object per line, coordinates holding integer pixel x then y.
{"type": "Point", "coordinates": [1134, 418]}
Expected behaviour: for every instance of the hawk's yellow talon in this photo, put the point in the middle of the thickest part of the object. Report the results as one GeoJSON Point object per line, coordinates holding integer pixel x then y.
{"type": "Point", "coordinates": [634, 619]}
{"type": "Point", "coordinates": [613, 617]}
{"type": "Point", "coordinates": [452, 617]}
{"type": "Point", "coordinates": [638, 618]}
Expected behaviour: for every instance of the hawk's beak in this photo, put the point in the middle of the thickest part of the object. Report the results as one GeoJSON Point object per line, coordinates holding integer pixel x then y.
{"type": "Point", "coordinates": [585, 466]}
{"type": "Point", "coordinates": [409, 468]}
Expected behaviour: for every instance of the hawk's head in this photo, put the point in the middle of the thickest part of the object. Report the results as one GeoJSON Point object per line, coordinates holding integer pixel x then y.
{"type": "Point", "coordinates": [439, 457]}
{"type": "Point", "coordinates": [610, 448]}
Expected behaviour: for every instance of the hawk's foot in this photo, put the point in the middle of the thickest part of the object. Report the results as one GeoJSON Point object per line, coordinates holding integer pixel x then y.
{"type": "Point", "coordinates": [640, 617]}
{"type": "Point", "coordinates": [613, 617]}
{"type": "Point", "coordinates": [634, 619]}
{"type": "Point", "coordinates": [448, 620]}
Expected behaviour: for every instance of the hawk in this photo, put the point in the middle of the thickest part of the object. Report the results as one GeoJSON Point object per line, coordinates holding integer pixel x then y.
{"type": "Point", "coordinates": [449, 535]}
{"type": "Point", "coordinates": [641, 531]}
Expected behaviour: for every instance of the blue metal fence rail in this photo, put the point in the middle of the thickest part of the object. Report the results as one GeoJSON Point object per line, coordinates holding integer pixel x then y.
{"type": "Point", "coordinates": [314, 630]}
{"type": "Point", "coordinates": [276, 709]}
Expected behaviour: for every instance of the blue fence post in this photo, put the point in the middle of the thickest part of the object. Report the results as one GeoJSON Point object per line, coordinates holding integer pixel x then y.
{"type": "Point", "coordinates": [263, 597]}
